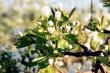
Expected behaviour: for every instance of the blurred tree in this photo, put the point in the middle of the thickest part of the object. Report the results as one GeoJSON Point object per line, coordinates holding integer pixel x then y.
{"type": "Point", "coordinates": [106, 3]}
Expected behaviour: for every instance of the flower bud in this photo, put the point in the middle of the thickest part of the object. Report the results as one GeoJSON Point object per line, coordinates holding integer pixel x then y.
{"type": "Point", "coordinates": [51, 30]}
{"type": "Point", "coordinates": [58, 15]}
{"type": "Point", "coordinates": [68, 28]}
{"type": "Point", "coordinates": [51, 23]}
{"type": "Point", "coordinates": [49, 42]}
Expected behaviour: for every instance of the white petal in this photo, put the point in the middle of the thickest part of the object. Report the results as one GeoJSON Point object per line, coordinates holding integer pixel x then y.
{"type": "Point", "coordinates": [50, 61]}
{"type": "Point", "coordinates": [70, 46]}
{"type": "Point", "coordinates": [68, 28]}
{"type": "Point", "coordinates": [51, 23]}
{"type": "Point", "coordinates": [58, 15]}
{"type": "Point", "coordinates": [51, 30]}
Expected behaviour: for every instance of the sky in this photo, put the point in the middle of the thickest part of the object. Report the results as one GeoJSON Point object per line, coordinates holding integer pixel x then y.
{"type": "Point", "coordinates": [68, 4]}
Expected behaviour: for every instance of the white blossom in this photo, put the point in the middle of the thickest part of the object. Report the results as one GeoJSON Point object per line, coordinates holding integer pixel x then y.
{"type": "Point", "coordinates": [51, 23]}
{"type": "Point", "coordinates": [58, 15]}
{"type": "Point", "coordinates": [70, 46]}
{"type": "Point", "coordinates": [102, 41]}
{"type": "Point", "coordinates": [26, 59]}
{"type": "Point", "coordinates": [50, 61]}
{"type": "Point", "coordinates": [68, 28]}
{"type": "Point", "coordinates": [51, 30]}
{"type": "Point", "coordinates": [46, 11]}
{"type": "Point", "coordinates": [49, 42]}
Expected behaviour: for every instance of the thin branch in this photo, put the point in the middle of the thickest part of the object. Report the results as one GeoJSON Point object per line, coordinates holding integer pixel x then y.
{"type": "Point", "coordinates": [88, 53]}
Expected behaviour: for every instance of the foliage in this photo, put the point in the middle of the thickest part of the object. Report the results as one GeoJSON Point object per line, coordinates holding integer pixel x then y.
{"type": "Point", "coordinates": [106, 3]}
{"type": "Point", "coordinates": [51, 37]}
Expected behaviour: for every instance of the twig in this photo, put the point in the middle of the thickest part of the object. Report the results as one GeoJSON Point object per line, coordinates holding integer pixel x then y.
{"type": "Point", "coordinates": [87, 53]}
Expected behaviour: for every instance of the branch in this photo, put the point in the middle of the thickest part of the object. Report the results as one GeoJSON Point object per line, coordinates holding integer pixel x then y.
{"type": "Point", "coordinates": [87, 53]}
{"type": "Point", "coordinates": [97, 67]}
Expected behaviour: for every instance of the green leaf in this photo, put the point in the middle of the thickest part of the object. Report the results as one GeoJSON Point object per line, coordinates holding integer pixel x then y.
{"type": "Point", "coordinates": [92, 25]}
{"type": "Point", "coordinates": [37, 59]}
{"type": "Point", "coordinates": [51, 18]}
{"type": "Point", "coordinates": [30, 39]}
{"type": "Point", "coordinates": [71, 38]}
{"type": "Point", "coordinates": [65, 17]}
{"type": "Point", "coordinates": [26, 40]}
{"type": "Point", "coordinates": [72, 11]}
{"type": "Point", "coordinates": [104, 60]}
{"type": "Point", "coordinates": [53, 11]}
{"type": "Point", "coordinates": [41, 63]}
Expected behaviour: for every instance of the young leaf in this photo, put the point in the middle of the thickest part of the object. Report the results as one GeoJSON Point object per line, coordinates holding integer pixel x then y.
{"type": "Point", "coordinates": [53, 11]}
{"type": "Point", "coordinates": [71, 12]}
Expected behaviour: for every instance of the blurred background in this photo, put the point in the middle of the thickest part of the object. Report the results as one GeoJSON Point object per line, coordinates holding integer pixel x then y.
{"type": "Point", "coordinates": [18, 15]}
